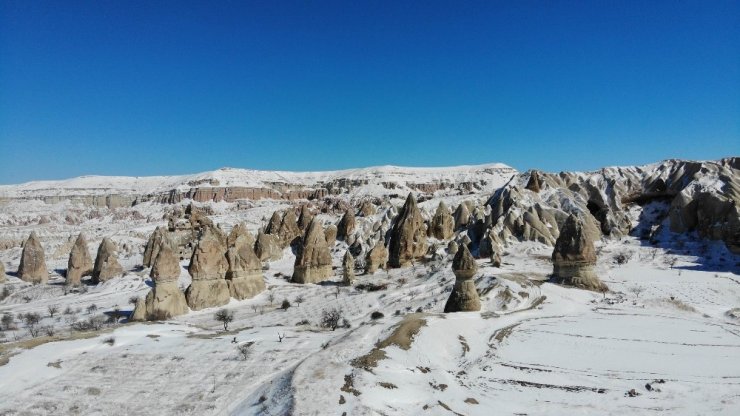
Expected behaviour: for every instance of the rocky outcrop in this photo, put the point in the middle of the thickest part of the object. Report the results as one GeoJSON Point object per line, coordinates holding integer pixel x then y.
{"type": "Point", "coordinates": [240, 235]}
{"type": "Point", "coordinates": [461, 216]}
{"type": "Point", "coordinates": [330, 234]}
{"type": "Point", "coordinates": [442, 225]}
{"type": "Point", "coordinates": [408, 240]}
{"type": "Point", "coordinates": [151, 250]}
{"type": "Point", "coordinates": [208, 268]}
{"type": "Point", "coordinates": [2, 272]}
{"type": "Point", "coordinates": [367, 209]}
{"type": "Point", "coordinates": [347, 225]}
{"type": "Point", "coordinates": [452, 248]}
{"type": "Point", "coordinates": [534, 182]}
{"type": "Point", "coordinates": [289, 233]}
{"type": "Point", "coordinates": [464, 296]}
{"type": "Point", "coordinates": [574, 257]}
{"type": "Point", "coordinates": [495, 259]}
{"type": "Point", "coordinates": [703, 197]}
{"type": "Point", "coordinates": [244, 274]}
{"type": "Point", "coordinates": [267, 248]}
{"type": "Point", "coordinates": [377, 258]}
{"type": "Point", "coordinates": [313, 260]}
{"type": "Point", "coordinates": [348, 268]}
{"type": "Point", "coordinates": [106, 262]}
{"type": "Point", "coordinates": [273, 226]}
{"type": "Point", "coordinates": [33, 264]}
{"type": "Point", "coordinates": [304, 220]}
{"type": "Point", "coordinates": [165, 300]}
{"type": "Point", "coordinates": [80, 262]}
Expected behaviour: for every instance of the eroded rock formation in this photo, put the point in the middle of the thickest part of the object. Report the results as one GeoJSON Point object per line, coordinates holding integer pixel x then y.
{"type": "Point", "coordinates": [408, 240]}
{"type": "Point", "coordinates": [348, 268]}
{"type": "Point", "coordinates": [442, 225]}
{"type": "Point", "coordinates": [244, 274]}
{"type": "Point", "coordinates": [165, 300]}
{"type": "Point", "coordinates": [464, 296]}
{"type": "Point", "coordinates": [208, 268]}
{"type": "Point", "coordinates": [80, 262]}
{"type": "Point", "coordinates": [377, 258]}
{"type": "Point", "coordinates": [33, 264]}
{"type": "Point", "coordinates": [313, 260]}
{"type": "Point", "coordinates": [574, 257]}
{"type": "Point", "coordinates": [106, 262]}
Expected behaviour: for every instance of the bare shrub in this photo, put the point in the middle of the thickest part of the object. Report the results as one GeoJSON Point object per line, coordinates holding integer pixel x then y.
{"type": "Point", "coordinates": [53, 309]}
{"type": "Point", "coordinates": [224, 316]}
{"type": "Point", "coordinates": [330, 318]}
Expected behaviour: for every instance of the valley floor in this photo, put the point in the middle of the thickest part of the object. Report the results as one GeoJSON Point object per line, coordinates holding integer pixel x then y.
{"type": "Point", "coordinates": [536, 348]}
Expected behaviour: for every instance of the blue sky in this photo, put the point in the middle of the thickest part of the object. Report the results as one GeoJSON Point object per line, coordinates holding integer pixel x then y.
{"type": "Point", "coordinates": [169, 87]}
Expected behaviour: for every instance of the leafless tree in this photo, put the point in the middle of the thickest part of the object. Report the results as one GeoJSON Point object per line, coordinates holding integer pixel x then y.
{"type": "Point", "coordinates": [224, 316]}
{"type": "Point", "coordinates": [53, 309]}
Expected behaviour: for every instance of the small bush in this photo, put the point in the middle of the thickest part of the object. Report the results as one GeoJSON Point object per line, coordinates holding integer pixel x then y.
{"type": "Point", "coordinates": [376, 315]}
{"type": "Point", "coordinates": [110, 341]}
{"type": "Point", "coordinates": [303, 322]}
{"type": "Point", "coordinates": [285, 305]}
{"type": "Point", "coordinates": [330, 318]}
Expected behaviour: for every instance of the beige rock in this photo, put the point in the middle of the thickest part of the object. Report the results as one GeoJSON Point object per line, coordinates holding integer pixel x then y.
{"type": "Point", "coordinates": [80, 262]}
{"type": "Point", "coordinates": [2, 272]}
{"type": "Point", "coordinates": [33, 264]}
{"type": "Point", "coordinates": [240, 235]}
{"type": "Point", "coordinates": [574, 257]}
{"type": "Point", "coordinates": [442, 224]}
{"type": "Point", "coordinates": [166, 267]}
{"type": "Point", "coordinates": [267, 248]}
{"type": "Point", "coordinates": [202, 294]}
{"type": "Point", "coordinates": [461, 216]}
{"type": "Point", "coordinates": [534, 182]}
{"type": "Point", "coordinates": [153, 245]}
{"type": "Point", "coordinates": [244, 275]}
{"type": "Point", "coordinates": [273, 227]}
{"type": "Point", "coordinates": [367, 209]}
{"type": "Point", "coordinates": [408, 240]}
{"type": "Point", "coordinates": [208, 268]}
{"type": "Point", "coordinates": [304, 220]}
{"type": "Point", "coordinates": [464, 296]}
{"type": "Point", "coordinates": [346, 225]}
{"type": "Point", "coordinates": [165, 300]}
{"type": "Point", "coordinates": [377, 258]}
{"type": "Point", "coordinates": [106, 262]}
{"type": "Point", "coordinates": [289, 233]}
{"type": "Point", "coordinates": [330, 234]}
{"type": "Point", "coordinates": [452, 248]}
{"type": "Point", "coordinates": [313, 260]}
{"type": "Point", "coordinates": [348, 268]}
{"type": "Point", "coordinates": [495, 259]}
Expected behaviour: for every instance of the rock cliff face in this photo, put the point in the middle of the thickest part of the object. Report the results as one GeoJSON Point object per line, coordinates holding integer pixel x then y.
{"type": "Point", "coordinates": [232, 185]}
{"type": "Point", "coordinates": [313, 260]}
{"type": "Point", "coordinates": [464, 296]}
{"type": "Point", "coordinates": [33, 263]}
{"type": "Point", "coordinates": [574, 257]}
{"type": "Point", "coordinates": [408, 240]}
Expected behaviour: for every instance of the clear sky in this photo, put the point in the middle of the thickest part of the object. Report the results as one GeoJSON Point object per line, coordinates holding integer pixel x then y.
{"type": "Point", "coordinates": [171, 87]}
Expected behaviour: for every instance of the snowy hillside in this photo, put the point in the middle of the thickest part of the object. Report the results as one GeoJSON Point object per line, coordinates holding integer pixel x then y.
{"type": "Point", "coordinates": [664, 339]}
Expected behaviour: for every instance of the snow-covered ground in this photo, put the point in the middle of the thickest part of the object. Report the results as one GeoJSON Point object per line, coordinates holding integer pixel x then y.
{"type": "Point", "coordinates": [536, 348]}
